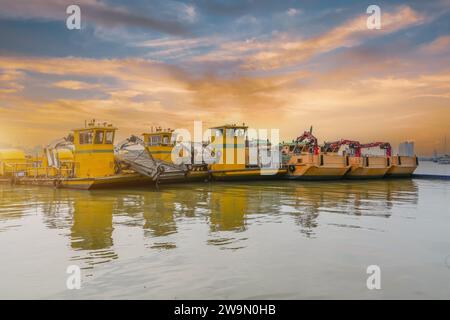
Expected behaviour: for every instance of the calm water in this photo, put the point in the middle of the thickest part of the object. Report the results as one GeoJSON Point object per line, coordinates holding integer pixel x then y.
{"type": "Point", "coordinates": [429, 167]}
{"type": "Point", "coordinates": [230, 240]}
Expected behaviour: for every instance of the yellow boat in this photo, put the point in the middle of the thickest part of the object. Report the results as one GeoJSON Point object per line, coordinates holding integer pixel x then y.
{"type": "Point", "coordinates": [160, 143]}
{"type": "Point", "coordinates": [305, 160]}
{"type": "Point", "coordinates": [83, 160]}
{"type": "Point", "coordinates": [230, 147]}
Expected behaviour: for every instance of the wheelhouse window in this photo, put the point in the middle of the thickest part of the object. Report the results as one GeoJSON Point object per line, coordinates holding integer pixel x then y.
{"type": "Point", "coordinates": [109, 139]}
{"type": "Point", "coordinates": [99, 135]}
{"type": "Point", "coordinates": [165, 140]}
{"type": "Point", "coordinates": [240, 133]}
{"type": "Point", "coordinates": [155, 140]}
{"type": "Point", "coordinates": [85, 137]}
{"type": "Point", "coordinates": [230, 132]}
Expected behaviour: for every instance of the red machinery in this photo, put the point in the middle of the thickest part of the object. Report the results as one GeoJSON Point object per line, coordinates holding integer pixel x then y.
{"type": "Point", "coordinates": [383, 145]}
{"type": "Point", "coordinates": [311, 141]}
{"type": "Point", "coordinates": [334, 146]}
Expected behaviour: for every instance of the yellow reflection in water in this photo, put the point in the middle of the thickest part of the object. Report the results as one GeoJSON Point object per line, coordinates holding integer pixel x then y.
{"type": "Point", "coordinates": [228, 209]}
{"type": "Point", "coordinates": [92, 228]}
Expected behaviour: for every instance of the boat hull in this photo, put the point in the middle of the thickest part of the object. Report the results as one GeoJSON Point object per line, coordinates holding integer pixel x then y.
{"type": "Point", "coordinates": [402, 167]}
{"type": "Point", "coordinates": [247, 174]}
{"type": "Point", "coordinates": [312, 172]}
{"type": "Point", "coordinates": [190, 176]}
{"type": "Point", "coordinates": [118, 180]}
{"type": "Point", "coordinates": [400, 171]}
{"type": "Point", "coordinates": [366, 173]}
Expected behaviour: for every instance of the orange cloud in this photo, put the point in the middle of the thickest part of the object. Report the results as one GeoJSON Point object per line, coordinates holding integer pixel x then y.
{"type": "Point", "coordinates": [282, 51]}
{"type": "Point", "coordinates": [74, 85]}
{"type": "Point", "coordinates": [381, 99]}
{"type": "Point", "coordinates": [10, 81]}
{"type": "Point", "coordinates": [349, 34]}
{"type": "Point", "coordinates": [440, 45]}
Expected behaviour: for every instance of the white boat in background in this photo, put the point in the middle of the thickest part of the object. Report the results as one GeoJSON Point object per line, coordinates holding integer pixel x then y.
{"type": "Point", "coordinates": [444, 159]}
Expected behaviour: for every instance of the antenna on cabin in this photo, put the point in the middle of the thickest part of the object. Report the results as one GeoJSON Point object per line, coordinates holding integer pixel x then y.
{"type": "Point", "coordinates": [445, 144]}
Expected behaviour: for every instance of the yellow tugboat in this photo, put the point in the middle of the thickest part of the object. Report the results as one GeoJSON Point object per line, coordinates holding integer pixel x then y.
{"type": "Point", "coordinates": [305, 160]}
{"type": "Point", "coordinates": [160, 143]}
{"type": "Point", "coordinates": [230, 147]}
{"type": "Point", "coordinates": [83, 160]}
{"type": "Point", "coordinates": [362, 166]}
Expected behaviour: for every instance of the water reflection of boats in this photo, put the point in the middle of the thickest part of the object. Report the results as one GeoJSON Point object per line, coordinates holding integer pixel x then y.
{"type": "Point", "coordinates": [92, 224]}
{"type": "Point", "coordinates": [92, 229]}
{"type": "Point", "coordinates": [14, 206]}
{"type": "Point", "coordinates": [159, 219]}
{"type": "Point", "coordinates": [229, 209]}
{"type": "Point", "coordinates": [89, 217]}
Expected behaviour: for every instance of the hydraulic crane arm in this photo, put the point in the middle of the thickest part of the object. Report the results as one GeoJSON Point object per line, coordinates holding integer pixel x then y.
{"type": "Point", "coordinates": [307, 136]}
{"type": "Point", "coordinates": [51, 150]}
{"type": "Point", "coordinates": [383, 145]}
{"type": "Point", "coordinates": [334, 146]}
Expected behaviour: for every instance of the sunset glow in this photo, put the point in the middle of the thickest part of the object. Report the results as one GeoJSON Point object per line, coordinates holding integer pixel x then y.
{"type": "Point", "coordinates": [285, 65]}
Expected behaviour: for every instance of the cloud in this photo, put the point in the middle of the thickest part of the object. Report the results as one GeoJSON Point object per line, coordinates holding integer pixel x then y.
{"type": "Point", "coordinates": [282, 50]}
{"type": "Point", "coordinates": [274, 81]}
{"type": "Point", "coordinates": [140, 93]}
{"type": "Point", "coordinates": [176, 47]}
{"type": "Point", "coordinates": [293, 12]}
{"type": "Point", "coordinates": [10, 81]}
{"type": "Point", "coordinates": [191, 13]}
{"type": "Point", "coordinates": [99, 13]}
{"type": "Point", "coordinates": [74, 85]}
{"type": "Point", "coordinates": [279, 53]}
{"type": "Point", "coordinates": [439, 45]}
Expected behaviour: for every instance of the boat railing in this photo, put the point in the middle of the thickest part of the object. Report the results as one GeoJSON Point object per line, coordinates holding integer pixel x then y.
{"type": "Point", "coordinates": [15, 169]}
{"type": "Point", "coordinates": [66, 170]}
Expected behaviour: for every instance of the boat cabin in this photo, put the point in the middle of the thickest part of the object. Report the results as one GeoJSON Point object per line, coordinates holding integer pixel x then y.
{"type": "Point", "coordinates": [160, 142]}
{"type": "Point", "coordinates": [94, 150]}
{"type": "Point", "coordinates": [230, 146]}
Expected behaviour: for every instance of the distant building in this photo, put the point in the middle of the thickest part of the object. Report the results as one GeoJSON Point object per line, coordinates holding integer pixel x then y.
{"type": "Point", "coordinates": [406, 149]}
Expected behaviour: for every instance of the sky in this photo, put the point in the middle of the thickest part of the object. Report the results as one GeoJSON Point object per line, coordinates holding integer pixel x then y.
{"type": "Point", "coordinates": [271, 64]}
